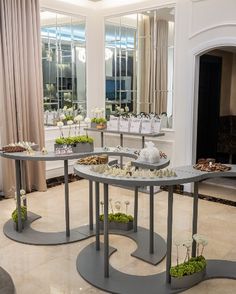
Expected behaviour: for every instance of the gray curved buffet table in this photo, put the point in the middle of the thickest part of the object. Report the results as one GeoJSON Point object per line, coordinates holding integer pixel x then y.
{"type": "Point", "coordinates": [114, 281]}
{"type": "Point", "coordinates": [32, 236]}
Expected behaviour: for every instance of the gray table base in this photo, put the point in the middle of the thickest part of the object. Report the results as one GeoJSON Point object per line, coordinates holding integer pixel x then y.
{"type": "Point", "coordinates": [32, 237]}
{"type": "Point", "coordinates": [6, 283]}
{"type": "Point", "coordinates": [119, 282]}
{"type": "Point", "coordinates": [141, 237]}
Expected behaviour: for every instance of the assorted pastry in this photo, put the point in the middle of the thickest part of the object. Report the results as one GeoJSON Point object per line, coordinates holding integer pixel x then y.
{"type": "Point", "coordinates": [93, 160]}
{"type": "Point", "coordinates": [131, 172]}
{"type": "Point", "coordinates": [209, 165]}
{"type": "Point", "coordinates": [18, 147]}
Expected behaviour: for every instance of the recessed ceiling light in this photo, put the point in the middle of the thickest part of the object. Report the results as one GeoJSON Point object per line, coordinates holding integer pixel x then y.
{"type": "Point", "coordinates": [148, 11]}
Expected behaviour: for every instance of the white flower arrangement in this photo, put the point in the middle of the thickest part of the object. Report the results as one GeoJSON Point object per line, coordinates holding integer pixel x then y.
{"type": "Point", "coordinates": [70, 122]}
{"type": "Point", "coordinates": [60, 124]}
{"type": "Point", "coordinates": [201, 241]}
{"type": "Point", "coordinates": [77, 120]}
{"type": "Point", "coordinates": [87, 120]}
{"type": "Point", "coordinates": [62, 116]}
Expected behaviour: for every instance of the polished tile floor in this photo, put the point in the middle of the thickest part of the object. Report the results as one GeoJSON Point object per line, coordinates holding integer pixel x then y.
{"type": "Point", "coordinates": [52, 270]}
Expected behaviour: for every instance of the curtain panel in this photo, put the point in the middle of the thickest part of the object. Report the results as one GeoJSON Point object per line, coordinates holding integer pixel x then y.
{"type": "Point", "coordinates": [21, 87]}
{"type": "Point", "coordinates": [153, 64]}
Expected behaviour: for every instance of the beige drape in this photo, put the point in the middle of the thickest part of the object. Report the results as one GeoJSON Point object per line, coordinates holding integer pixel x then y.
{"type": "Point", "coordinates": [153, 64]}
{"type": "Point", "coordinates": [21, 86]}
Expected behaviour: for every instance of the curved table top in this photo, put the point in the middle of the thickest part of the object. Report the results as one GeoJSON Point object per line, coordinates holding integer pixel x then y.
{"type": "Point", "coordinates": [185, 174]}
{"type": "Point", "coordinates": [52, 156]}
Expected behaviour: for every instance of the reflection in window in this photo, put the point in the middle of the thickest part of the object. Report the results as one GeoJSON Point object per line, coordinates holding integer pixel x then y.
{"type": "Point", "coordinates": [63, 61]}
{"type": "Point", "coordinates": [139, 66]}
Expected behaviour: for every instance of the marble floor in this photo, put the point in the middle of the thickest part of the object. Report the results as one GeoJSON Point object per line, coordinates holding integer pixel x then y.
{"type": "Point", "coordinates": [52, 270]}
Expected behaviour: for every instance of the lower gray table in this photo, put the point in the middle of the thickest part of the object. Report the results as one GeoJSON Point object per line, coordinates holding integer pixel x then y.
{"type": "Point", "coordinates": [114, 281]}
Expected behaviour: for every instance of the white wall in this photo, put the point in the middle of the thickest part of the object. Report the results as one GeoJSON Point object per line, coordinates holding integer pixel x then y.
{"type": "Point", "coordinates": [200, 25]}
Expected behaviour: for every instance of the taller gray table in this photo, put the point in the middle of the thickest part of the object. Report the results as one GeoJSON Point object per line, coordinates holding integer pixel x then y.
{"type": "Point", "coordinates": [119, 282]}
{"type": "Point", "coordinates": [103, 131]}
{"type": "Point", "coordinates": [31, 236]}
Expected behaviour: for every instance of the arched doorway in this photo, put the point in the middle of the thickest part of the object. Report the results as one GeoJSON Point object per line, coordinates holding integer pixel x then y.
{"type": "Point", "coordinates": [215, 106]}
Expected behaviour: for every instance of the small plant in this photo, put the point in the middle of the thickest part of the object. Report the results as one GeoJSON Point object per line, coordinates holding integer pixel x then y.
{"type": "Point", "coordinates": [190, 265]}
{"type": "Point", "coordinates": [99, 120]}
{"type": "Point", "coordinates": [74, 140]}
{"type": "Point", "coordinates": [14, 214]}
{"type": "Point", "coordinates": [194, 265]}
{"type": "Point", "coordinates": [118, 217]}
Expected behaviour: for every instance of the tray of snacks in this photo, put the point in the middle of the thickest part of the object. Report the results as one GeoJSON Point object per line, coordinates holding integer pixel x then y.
{"type": "Point", "coordinates": [209, 165]}
{"type": "Point", "coordinates": [93, 160]}
{"type": "Point", "coordinates": [19, 147]}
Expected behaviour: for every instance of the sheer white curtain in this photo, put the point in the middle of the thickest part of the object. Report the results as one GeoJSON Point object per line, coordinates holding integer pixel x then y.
{"type": "Point", "coordinates": [21, 108]}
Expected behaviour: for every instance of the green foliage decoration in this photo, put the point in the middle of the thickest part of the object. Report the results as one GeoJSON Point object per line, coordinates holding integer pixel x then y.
{"type": "Point", "coordinates": [118, 217]}
{"type": "Point", "coordinates": [99, 120]}
{"type": "Point", "coordinates": [14, 214]}
{"type": "Point", "coordinates": [74, 140]}
{"type": "Point", "coordinates": [194, 265]}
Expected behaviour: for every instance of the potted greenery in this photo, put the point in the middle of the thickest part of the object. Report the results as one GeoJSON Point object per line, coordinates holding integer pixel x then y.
{"type": "Point", "coordinates": [118, 221]}
{"type": "Point", "coordinates": [98, 123]}
{"type": "Point", "coordinates": [79, 144]}
{"type": "Point", "coordinates": [14, 216]}
{"type": "Point", "coordinates": [192, 270]}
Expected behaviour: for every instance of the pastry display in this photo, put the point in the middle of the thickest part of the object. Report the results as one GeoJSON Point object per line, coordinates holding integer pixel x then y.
{"type": "Point", "coordinates": [209, 165]}
{"type": "Point", "coordinates": [132, 172]}
{"type": "Point", "coordinates": [93, 160]}
{"type": "Point", "coordinates": [18, 147]}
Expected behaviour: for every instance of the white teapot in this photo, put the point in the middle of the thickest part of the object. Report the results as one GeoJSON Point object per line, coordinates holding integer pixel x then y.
{"type": "Point", "coordinates": [149, 154]}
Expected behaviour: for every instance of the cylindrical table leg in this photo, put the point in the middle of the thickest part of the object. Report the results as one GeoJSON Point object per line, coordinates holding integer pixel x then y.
{"type": "Point", "coordinates": [18, 205]}
{"type": "Point", "coordinates": [151, 222]}
{"type": "Point", "coordinates": [169, 233]}
{"type": "Point", "coordinates": [67, 210]}
{"type": "Point", "coordinates": [135, 209]}
{"type": "Point", "coordinates": [23, 183]}
{"type": "Point", "coordinates": [97, 195]}
{"type": "Point", "coordinates": [91, 205]}
{"type": "Point", "coordinates": [106, 236]}
{"type": "Point", "coordinates": [121, 144]}
{"type": "Point", "coordinates": [143, 141]}
{"type": "Point", "coordinates": [102, 139]}
{"type": "Point", "coordinates": [195, 217]}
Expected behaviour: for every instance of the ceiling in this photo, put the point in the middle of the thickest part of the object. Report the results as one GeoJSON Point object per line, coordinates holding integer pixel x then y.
{"type": "Point", "coordinates": [103, 4]}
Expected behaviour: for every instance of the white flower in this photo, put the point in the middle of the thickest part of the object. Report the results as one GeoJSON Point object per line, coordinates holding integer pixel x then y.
{"type": "Point", "coordinates": [60, 124]}
{"type": "Point", "coordinates": [122, 110]}
{"type": "Point", "coordinates": [70, 109]}
{"type": "Point", "coordinates": [126, 108]}
{"type": "Point", "coordinates": [87, 120]}
{"type": "Point", "coordinates": [70, 122]}
{"type": "Point", "coordinates": [65, 108]}
{"type": "Point", "coordinates": [188, 243]}
{"type": "Point", "coordinates": [178, 242]}
{"type": "Point", "coordinates": [118, 108]}
{"type": "Point", "coordinates": [78, 118]}
{"type": "Point", "coordinates": [200, 239]}
{"type": "Point", "coordinates": [22, 192]}
{"type": "Point", "coordinates": [62, 116]}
